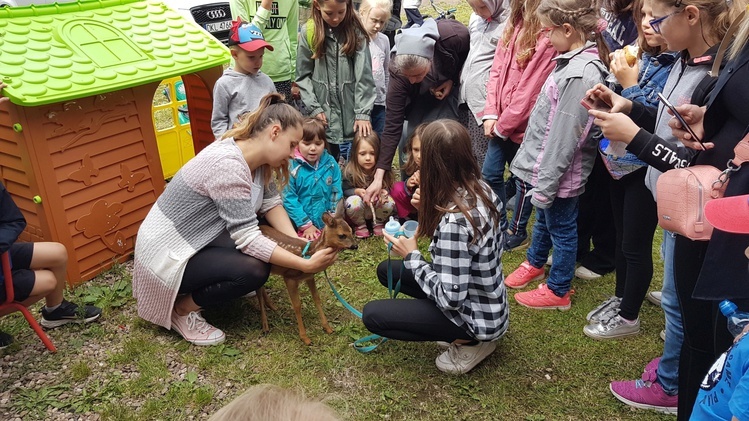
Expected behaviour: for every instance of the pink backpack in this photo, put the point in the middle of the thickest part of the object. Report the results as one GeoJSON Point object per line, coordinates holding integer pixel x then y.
{"type": "Point", "coordinates": [681, 194]}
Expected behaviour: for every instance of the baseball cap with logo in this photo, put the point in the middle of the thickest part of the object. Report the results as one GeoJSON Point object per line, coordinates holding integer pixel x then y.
{"type": "Point", "coordinates": [247, 36]}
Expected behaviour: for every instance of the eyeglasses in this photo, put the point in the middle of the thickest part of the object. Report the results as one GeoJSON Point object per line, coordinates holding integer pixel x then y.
{"type": "Point", "coordinates": [656, 23]}
{"type": "Point", "coordinates": [547, 31]}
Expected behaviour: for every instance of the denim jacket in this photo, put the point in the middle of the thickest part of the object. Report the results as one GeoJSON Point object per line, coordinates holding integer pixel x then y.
{"type": "Point", "coordinates": [654, 71]}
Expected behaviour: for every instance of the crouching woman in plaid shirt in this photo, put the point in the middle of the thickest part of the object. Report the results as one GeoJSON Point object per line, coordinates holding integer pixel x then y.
{"type": "Point", "coordinates": [460, 296]}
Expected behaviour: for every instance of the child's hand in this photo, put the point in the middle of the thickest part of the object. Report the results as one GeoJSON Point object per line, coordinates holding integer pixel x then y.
{"type": "Point", "coordinates": [295, 92]}
{"type": "Point", "coordinates": [413, 181]}
{"type": "Point", "coordinates": [401, 245]}
{"type": "Point", "coordinates": [626, 75]}
{"type": "Point", "coordinates": [364, 127]}
{"type": "Point", "coordinates": [383, 195]}
{"type": "Point", "coordinates": [694, 116]}
{"type": "Point", "coordinates": [615, 126]}
{"type": "Point", "coordinates": [416, 198]}
{"type": "Point", "coordinates": [3, 98]}
{"type": "Point", "coordinates": [360, 193]}
{"type": "Point", "coordinates": [618, 103]}
{"type": "Point", "coordinates": [443, 91]}
{"type": "Point", "coordinates": [311, 233]}
{"type": "Point", "coordinates": [322, 118]}
{"type": "Point", "coordinates": [489, 127]}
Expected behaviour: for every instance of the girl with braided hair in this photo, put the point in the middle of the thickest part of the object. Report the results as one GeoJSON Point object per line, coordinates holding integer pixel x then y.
{"type": "Point", "coordinates": [559, 149]}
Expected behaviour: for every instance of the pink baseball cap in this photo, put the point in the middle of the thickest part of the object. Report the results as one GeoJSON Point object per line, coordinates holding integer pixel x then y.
{"type": "Point", "coordinates": [729, 214]}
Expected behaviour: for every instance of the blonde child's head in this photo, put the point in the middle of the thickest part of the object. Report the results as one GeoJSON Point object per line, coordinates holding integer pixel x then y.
{"type": "Point", "coordinates": [340, 16]}
{"type": "Point", "coordinates": [413, 150]}
{"type": "Point", "coordinates": [374, 15]}
{"type": "Point", "coordinates": [450, 176]}
{"type": "Point", "coordinates": [365, 150]}
{"type": "Point", "coordinates": [265, 402]}
{"type": "Point", "coordinates": [694, 25]}
{"type": "Point", "coordinates": [313, 143]}
{"type": "Point", "coordinates": [523, 12]}
{"type": "Point", "coordinates": [273, 114]}
{"type": "Point", "coordinates": [570, 20]}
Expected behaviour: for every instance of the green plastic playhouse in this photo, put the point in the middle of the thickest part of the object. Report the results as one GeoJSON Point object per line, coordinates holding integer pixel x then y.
{"type": "Point", "coordinates": [77, 145]}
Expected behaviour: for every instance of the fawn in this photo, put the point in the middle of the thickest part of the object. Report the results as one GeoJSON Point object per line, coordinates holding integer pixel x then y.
{"type": "Point", "coordinates": [336, 234]}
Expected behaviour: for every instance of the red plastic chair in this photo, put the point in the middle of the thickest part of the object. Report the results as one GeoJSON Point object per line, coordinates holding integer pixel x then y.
{"type": "Point", "coordinates": [16, 306]}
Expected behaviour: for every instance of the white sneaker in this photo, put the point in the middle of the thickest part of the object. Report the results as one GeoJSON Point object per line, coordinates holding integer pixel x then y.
{"type": "Point", "coordinates": [605, 310]}
{"type": "Point", "coordinates": [550, 260]}
{"type": "Point", "coordinates": [584, 273]}
{"type": "Point", "coordinates": [443, 344]}
{"type": "Point", "coordinates": [196, 330]}
{"type": "Point", "coordinates": [663, 335]}
{"type": "Point", "coordinates": [460, 359]}
{"type": "Point", "coordinates": [654, 297]}
{"type": "Point", "coordinates": [250, 294]}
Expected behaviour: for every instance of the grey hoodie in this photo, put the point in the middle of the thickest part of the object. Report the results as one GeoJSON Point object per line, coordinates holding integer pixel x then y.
{"type": "Point", "coordinates": [235, 94]}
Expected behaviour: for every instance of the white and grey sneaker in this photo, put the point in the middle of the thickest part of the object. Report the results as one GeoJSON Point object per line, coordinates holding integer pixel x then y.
{"type": "Point", "coordinates": [654, 297]}
{"type": "Point", "coordinates": [460, 359]}
{"type": "Point", "coordinates": [196, 330]}
{"type": "Point", "coordinates": [606, 310]}
{"type": "Point", "coordinates": [612, 328]}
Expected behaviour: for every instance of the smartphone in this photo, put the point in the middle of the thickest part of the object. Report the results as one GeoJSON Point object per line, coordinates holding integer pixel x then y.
{"type": "Point", "coordinates": [595, 103]}
{"type": "Point", "coordinates": [678, 117]}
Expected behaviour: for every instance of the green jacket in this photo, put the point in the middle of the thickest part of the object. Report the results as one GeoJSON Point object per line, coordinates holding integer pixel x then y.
{"type": "Point", "coordinates": [342, 87]}
{"type": "Point", "coordinates": [279, 29]}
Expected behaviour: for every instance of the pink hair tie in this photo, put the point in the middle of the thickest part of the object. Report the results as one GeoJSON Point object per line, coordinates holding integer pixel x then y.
{"type": "Point", "coordinates": [601, 25]}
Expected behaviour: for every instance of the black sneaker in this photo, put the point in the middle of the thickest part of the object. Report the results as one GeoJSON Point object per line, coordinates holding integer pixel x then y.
{"type": "Point", "coordinates": [5, 340]}
{"type": "Point", "coordinates": [514, 241]}
{"type": "Point", "coordinates": [69, 313]}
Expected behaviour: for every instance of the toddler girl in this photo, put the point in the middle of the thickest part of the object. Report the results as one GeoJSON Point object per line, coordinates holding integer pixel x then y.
{"type": "Point", "coordinates": [334, 72]}
{"type": "Point", "coordinates": [314, 182]}
{"type": "Point", "coordinates": [403, 191]}
{"type": "Point", "coordinates": [559, 148]}
{"type": "Point", "coordinates": [357, 175]}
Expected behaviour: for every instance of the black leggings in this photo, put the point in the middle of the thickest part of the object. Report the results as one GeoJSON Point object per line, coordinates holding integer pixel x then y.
{"type": "Point", "coordinates": [219, 273]}
{"type": "Point", "coordinates": [594, 222]}
{"type": "Point", "coordinates": [635, 218]}
{"type": "Point", "coordinates": [416, 320]}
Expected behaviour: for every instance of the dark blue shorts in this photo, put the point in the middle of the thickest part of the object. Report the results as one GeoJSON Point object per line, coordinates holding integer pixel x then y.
{"type": "Point", "coordinates": [23, 277]}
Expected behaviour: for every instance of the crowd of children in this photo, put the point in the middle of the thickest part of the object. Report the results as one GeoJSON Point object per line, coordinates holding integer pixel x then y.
{"type": "Point", "coordinates": [545, 88]}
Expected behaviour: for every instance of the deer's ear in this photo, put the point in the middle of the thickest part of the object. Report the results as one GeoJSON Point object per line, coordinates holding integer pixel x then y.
{"type": "Point", "coordinates": [339, 209]}
{"type": "Point", "coordinates": [328, 219]}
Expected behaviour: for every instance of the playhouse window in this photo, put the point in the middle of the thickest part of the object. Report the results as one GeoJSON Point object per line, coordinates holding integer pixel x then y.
{"type": "Point", "coordinates": [105, 45]}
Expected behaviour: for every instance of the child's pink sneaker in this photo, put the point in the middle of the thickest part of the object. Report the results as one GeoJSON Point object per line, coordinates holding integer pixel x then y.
{"type": "Point", "coordinates": [361, 231]}
{"type": "Point", "coordinates": [524, 275]}
{"type": "Point", "coordinates": [377, 228]}
{"type": "Point", "coordinates": [542, 298]}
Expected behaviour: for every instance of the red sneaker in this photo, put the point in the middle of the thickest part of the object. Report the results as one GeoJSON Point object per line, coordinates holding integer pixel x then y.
{"type": "Point", "coordinates": [524, 275]}
{"type": "Point", "coordinates": [542, 298]}
{"type": "Point", "coordinates": [361, 232]}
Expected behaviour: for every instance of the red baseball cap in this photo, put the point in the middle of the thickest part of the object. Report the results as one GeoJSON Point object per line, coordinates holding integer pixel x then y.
{"type": "Point", "coordinates": [247, 36]}
{"type": "Point", "coordinates": [729, 214]}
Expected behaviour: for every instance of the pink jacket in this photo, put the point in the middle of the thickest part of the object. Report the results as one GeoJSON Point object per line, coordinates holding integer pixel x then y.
{"type": "Point", "coordinates": [506, 100]}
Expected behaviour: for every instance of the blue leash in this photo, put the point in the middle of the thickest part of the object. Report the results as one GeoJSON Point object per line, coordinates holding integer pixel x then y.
{"type": "Point", "coordinates": [392, 292]}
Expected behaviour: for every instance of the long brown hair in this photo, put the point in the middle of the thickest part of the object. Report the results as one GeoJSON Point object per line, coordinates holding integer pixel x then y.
{"type": "Point", "coordinates": [583, 15]}
{"type": "Point", "coordinates": [351, 29]}
{"type": "Point", "coordinates": [272, 110]}
{"type": "Point", "coordinates": [410, 166]}
{"type": "Point", "coordinates": [450, 176]}
{"type": "Point", "coordinates": [355, 173]}
{"type": "Point", "coordinates": [523, 13]}
{"type": "Point", "coordinates": [637, 16]}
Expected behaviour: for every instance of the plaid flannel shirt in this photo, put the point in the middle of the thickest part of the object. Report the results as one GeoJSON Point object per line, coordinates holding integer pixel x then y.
{"type": "Point", "coordinates": [465, 279]}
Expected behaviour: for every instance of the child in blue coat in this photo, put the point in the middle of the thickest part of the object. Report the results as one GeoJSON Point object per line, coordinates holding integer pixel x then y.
{"type": "Point", "coordinates": [314, 182]}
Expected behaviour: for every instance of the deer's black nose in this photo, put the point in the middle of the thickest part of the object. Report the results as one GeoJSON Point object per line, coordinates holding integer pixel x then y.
{"type": "Point", "coordinates": [353, 247]}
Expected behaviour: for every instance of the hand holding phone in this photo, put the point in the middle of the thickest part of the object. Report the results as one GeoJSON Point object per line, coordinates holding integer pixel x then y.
{"type": "Point", "coordinates": [595, 103]}
{"type": "Point", "coordinates": [679, 117]}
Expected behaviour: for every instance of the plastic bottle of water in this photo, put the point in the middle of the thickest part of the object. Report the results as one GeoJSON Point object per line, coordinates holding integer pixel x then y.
{"type": "Point", "coordinates": [737, 320]}
{"type": "Point", "coordinates": [392, 227]}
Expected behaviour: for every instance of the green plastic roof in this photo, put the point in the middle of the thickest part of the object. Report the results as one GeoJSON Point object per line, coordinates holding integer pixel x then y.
{"type": "Point", "coordinates": [60, 52]}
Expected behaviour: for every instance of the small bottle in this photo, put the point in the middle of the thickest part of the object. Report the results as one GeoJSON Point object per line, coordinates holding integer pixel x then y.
{"type": "Point", "coordinates": [737, 320]}
{"type": "Point", "coordinates": [392, 227]}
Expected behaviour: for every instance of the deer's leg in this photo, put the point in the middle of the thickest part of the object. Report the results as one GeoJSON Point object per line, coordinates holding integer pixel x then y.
{"type": "Point", "coordinates": [267, 300]}
{"type": "Point", "coordinates": [318, 304]}
{"type": "Point", "coordinates": [292, 285]}
{"type": "Point", "coordinates": [261, 301]}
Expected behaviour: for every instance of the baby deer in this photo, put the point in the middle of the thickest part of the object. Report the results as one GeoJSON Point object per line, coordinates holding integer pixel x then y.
{"type": "Point", "coordinates": [336, 234]}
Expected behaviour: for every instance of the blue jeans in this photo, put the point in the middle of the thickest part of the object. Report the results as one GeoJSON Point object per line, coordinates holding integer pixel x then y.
{"type": "Point", "coordinates": [498, 154]}
{"type": "Point", "coordinates": [556, 227]}
{"type": "Point", "coordinates": [377, 117]}
{"type": "Point", "coordinates": [668, 367]}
